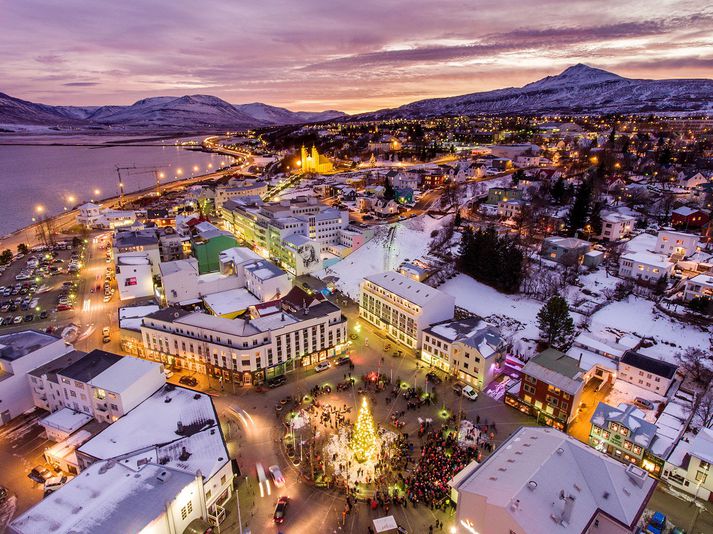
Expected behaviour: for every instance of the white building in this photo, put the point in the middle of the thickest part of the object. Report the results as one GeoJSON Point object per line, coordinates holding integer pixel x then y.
{"type": "Point", "coordinates": [689, 465]}
{"type": "Point", "coordinates": [510, 209]}
{"type": "Point", "coordinates": [646, 372]}
{"type": "Point", "coordinates": [146, 240]}
{"type": "Point", "coordinates": [174, 472]}
{"type": "Point", "coordinates": [99, 384]}
{"type": "Point", "coordinates": [402, 307]}
{"type": "Point", "coordinates": [698, 287]}
{"type": "Point", "coordinates": [177, 428]}
{"type": "Point", "coordinates": [134, 275]}
{"type": "Point", "coordinates": [20, 353]}
{"type": "Point", "coordinates": [616, 226]}
{"type": "Point", "coordinates": [673, 243]}
{"type": "Point", "coordinates": [644, 266]}
{"type": "Point", "coordinates": [182, 284]}
{"type": "Point", "coordinates": [542, 481]}
{"type": "Point", "coordinates": [240, 267]}
{"type": "Point", "coordinates": [240, 188]}
{"type": "Point", "coordinates": [301, 331]}
{"type": "Point", "coordinates": [89, 214]}
{"type": "Point", "coordinates": [470, 349]}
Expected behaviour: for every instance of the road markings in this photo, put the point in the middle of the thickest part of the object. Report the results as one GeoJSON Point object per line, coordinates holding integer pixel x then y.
{"type": "Point", "coordinates": [87, 305]}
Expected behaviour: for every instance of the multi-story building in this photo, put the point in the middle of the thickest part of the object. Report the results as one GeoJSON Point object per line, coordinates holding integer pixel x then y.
{"type": "Point", "coordinates": [551, 389]}
{"type": "Point", "coordinates": [100, 384]}
{"type": "Point", "coordinates": [239, 267]}
{"type": "Point", "coordinates": [247, 350]}
{"type": "Point", "coordinates": [145, 240]}
{"type": "Point", "coordinates": [541, 481]}
{"type": "Point", "coordinates": [291, 232]}
{"type": "Point", "coordinates": [402, 307]}
{"type": "Point", "coordinates": [20, 353]}
{"type": "Point", "coordinates": [646, 372]}
{"type": "Point", "coordinates": [239, 188]}
{"type": "Point", "coordinates": [642, 266]}
{"type": "Point", "coordinates": [568, 251]}
{"type": "Point", "coordinates": [510, 209]}
{"type": "Point", "coordinates": [689, 466]}
{"type": "Point", "coordinates": [470, 349]}
{"type": "Point", "coordinates": [624, 434]}
{"type": "Point", "coordinates": [679, 244]}
{"type": "Point", "coordinates": [174, 474]}
{"type": "Point", "coordinates": [207, 242]}
{"type": "Point", "coordinates": [134, 275]}
{"type": "Point", "coordinates": [503, 194]}
{"type": "Point", "coordinates": [616, 226]}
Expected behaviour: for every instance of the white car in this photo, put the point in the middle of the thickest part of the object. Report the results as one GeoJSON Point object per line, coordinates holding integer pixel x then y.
{"type": "Point", "coordinates": [322, 366]}
{"type": "Point", "coordinates": [277, 475]}
{"type": "Point", "coordinates": [469, 393]}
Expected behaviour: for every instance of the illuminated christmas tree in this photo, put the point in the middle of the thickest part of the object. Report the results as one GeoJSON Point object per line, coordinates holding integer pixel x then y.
{"type": "Point", "coordinates": [364, 436]}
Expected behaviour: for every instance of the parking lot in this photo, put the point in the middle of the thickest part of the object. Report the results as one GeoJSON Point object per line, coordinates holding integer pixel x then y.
{"type": "Point", "coordinates": [39, 290]}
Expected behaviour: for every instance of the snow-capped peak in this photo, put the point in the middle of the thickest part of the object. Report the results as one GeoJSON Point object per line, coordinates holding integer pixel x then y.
{"type": "Point", "coordinates": [579, 74]}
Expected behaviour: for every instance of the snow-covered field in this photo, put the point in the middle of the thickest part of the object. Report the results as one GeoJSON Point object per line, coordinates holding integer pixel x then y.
{"type": "Point", "coordinates": [391, 245]}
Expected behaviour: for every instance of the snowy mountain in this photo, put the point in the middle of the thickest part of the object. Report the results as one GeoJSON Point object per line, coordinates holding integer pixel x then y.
{"type": "Point", "coordinates": [184, 113]}
{"type": "Point", "coordinates": [578, 89]}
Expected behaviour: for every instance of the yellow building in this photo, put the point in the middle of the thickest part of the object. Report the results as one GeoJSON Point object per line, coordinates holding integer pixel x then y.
{"type": "Point", "coordinates": [314, 162]}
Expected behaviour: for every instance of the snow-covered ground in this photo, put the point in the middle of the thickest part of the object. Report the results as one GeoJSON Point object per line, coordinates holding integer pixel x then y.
{"type": "Point", "coordinates": [391, 245]}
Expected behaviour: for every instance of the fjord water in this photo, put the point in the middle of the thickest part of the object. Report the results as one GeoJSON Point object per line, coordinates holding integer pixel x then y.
{"type": "Point", "coordinates": [50, 175]}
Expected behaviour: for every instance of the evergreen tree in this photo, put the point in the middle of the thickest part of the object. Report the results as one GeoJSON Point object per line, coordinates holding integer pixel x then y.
{"type": "Point", "coordinates": [579, 212]}
{"type": "Point", "coordinates": [364, 435]}
{"type": "Point", "coordinates": [555, 323]}
{"type": "Point", "coordinates": [558, 191]}
{"type": "Point", "coordinates": [389, 192]}
{"type": "Point", "coordinates": [6, 256]}
{"type": "Point", "coordinates": [595, 218]}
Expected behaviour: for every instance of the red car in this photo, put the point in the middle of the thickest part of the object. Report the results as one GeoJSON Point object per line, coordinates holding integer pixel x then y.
{"type": "Point", "coordinates": [63, 307]}
{"type": "Point", "coordinates": [281, 510]}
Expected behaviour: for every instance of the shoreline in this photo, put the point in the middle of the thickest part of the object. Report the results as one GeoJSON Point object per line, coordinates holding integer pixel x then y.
{"type": "Point", "coordinates": [27, 234]}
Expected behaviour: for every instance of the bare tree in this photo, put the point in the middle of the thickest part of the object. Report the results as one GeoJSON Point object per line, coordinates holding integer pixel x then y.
{"type": "Point", "coordinates": [704, 409]}
{"type": "Point", "coordinates": [697, 363]}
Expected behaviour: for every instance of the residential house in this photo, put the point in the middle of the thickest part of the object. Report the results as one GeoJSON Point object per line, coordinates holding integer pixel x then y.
{"type": "Point", "coordinates": [551, 389]}
{"type": "Point", "coordinates": [644, 266]}
{"type": "Point", "coordinates": [469, 349]}
{"type": "Point", "coordinates": [678, 244]}
{"type": "Point", "coordinates": [685, 217]}
{"type": "Point", "coordinates": [568, 251]}
{"type": "Point", "coordinates": [646, 372]}
{"type": "Point", "coordinates": [700, 286]}
{"type": "Point", "coordinates": [616, 226]}
{"type": "Point", "coordinates": [689, 465]}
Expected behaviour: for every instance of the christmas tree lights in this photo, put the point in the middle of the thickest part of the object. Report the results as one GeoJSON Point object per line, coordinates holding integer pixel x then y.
{"type": "Point", "coordinates": [364, 437]}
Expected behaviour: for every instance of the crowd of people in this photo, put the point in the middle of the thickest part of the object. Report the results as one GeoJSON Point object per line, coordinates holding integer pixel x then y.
{"type": "Point", "coordinates": [441, 458]}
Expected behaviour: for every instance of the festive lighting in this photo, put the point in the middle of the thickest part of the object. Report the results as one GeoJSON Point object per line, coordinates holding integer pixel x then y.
{"type": "Point", "coordinates": [364, 437]}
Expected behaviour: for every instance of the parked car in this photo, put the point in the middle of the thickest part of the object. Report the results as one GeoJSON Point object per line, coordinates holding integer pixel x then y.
{"type": "Point", "coordinates": [44, 315]}
{"type": "Point", "coordinates": [342, 360]}
{"type": "Point", "coordinates": [105, 331]}
{"type": "Point", "coordinates": [54, 483]}
{"type": "Point", "coordinates": [644, 403]}
{"type": "Point", "coordinates": [657, 524]}
{"type": "Point", "coordinates": [469, 393]}
{"type": "Point", "coordinates": [277, 475]}
{"type": "Point", "coordinates": [433, 378]}
{"type": "Point", "coordinates": [64, 307]}
{"type": "Point", "coordinates": [40, 474]}
{"type": "Point", "coordinates": [322, 366]}
{"type": "Point", "coordinates": [275, 382]}
{"type": "Point", "coordinates": [168, 373]}
{"type": "Point", "coordinates": [3, 494]}
{"type": "Point", "coordinates": [17, 319]}
{"type": "Point", "coordinates": [458, 387]}
{"type": "Point", "coordinates": [188, 381]}
{"type": "Point", "coordinates": [29, 318]}
{"type": "Point", "coordinates": [280, 510]}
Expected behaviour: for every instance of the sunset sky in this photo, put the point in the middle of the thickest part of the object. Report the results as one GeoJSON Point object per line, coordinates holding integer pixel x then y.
{"type": "Point", "coordinates": [347, 55]}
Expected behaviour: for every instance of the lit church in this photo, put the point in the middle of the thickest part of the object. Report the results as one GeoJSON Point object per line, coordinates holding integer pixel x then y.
{"type": "Point", "coordinates": [314, 161]}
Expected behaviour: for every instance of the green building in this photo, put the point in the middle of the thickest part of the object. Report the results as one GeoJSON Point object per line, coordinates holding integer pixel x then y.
{"type": "Point", "coordinates": [207, 243]}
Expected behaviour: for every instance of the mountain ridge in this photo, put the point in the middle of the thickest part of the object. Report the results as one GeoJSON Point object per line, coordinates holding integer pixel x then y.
{"type": "Point", "coordinates": [578, 89]}
{"type": "Point", "coordinates": [160, 112]}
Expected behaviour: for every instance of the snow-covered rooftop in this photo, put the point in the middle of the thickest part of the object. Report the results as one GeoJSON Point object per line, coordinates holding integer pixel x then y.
{"type": "Point", "coordinates": [106, 497]}
{"type": "Point", "coordinates": [231, 301]}
{"type": "Point", "coordinates": [66, 420]}
{"type": "Point", "coordinates": [518, 478]}
{"type": "Point", "coordinates": [169, 416]}
{"type": "Point", "coordinates": [123, 374]}
{"type": "Point", "coordinates": [405, 287]}
{"type": "Point", "coordinates": [131, 317]}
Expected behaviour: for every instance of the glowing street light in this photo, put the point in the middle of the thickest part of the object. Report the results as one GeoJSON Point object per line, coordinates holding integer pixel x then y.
{"type": "Point", "coordinates": [196, 168]}
{"type": "Point", "coordinates": [97, 192]}
{"type": "Point", "coordinates": [40, 209]}
{"type": "Point", "coordinates": [71, 198]}
{"type": "Point", "coordinates": [179, 171]}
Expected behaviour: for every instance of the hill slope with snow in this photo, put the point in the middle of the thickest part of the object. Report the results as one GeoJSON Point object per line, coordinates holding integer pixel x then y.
{"type": "Point", "coordinates": [578, 89]}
